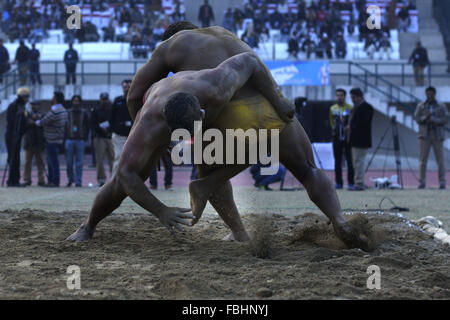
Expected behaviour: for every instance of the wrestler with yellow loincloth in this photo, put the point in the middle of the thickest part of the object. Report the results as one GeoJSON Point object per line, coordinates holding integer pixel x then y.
{"type": "Point", "coordinates": [231, 92]}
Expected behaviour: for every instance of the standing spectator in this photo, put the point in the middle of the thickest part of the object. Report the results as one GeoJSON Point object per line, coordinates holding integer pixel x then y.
{"type": "Point", "coordinates": [4, 60]}
{"type": "Point", "coordinates": [403, 19]}
{"type": "Point", "coordinates": [54, 124]}
{"type": "Point", "coordinates": [340, 48]}
{"type": "Point", "coordinates": [77, 133]}
{"type": "Point", "coordinates": [34, 146]}
{"type": "Point", "coordinates": [22, 56]}
{"type": "Point", "coordinates": [205, 14]}
{"type": "Point", "coordinates": [339, 115]}
{"type": "Point", "coordinates": [35, 74]}
{"type": "Point", "coordinates": [419, 59]}
{"type": "Point", "coordinates": [431, 116]}
{"type": "Point", "coordinates": [168, 174]}
{"type": "Point", "coordinates": [293, 46]}
{"type": "Point", "coordinates": [121, 32]}
{"type": "Point", "coordinates": [101, 128]}
{"type": "Point", "coordinates": [121, 122]}
{"type": "Point", "coordinates": [385, 47]}
{"type": "Point", "coordinates": [15, 128]}
{"type": "Point", "coordinates": [228, 20]}
{"type": "Point", "coordinates": [360, 127]}
{"type": "Point", "coordinates": [71, 60]}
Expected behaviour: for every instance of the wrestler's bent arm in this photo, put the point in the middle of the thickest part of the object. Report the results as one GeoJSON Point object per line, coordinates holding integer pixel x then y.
{"type": "Point", "coordinates": [139, 151]}
{"type": "Point", "coordinates": [152, 71]}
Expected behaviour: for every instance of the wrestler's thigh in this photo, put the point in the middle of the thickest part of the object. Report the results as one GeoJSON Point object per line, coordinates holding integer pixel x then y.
{"type": "Point", "coordinates": [295, 147]}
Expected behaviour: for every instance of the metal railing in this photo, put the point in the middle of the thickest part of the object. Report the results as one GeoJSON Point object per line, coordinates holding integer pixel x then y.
{"type": "Point", "coordinates": [10, 83]}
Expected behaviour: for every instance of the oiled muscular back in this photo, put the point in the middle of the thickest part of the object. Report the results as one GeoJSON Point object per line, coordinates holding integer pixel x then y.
{"type": "Point", "coordinates": [204, 49]}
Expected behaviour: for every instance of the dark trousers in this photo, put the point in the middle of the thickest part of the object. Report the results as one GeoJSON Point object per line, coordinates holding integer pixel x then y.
{"type": "Point", "coordinates": [168, 173]}
{"type": "Point", "coordinates": [52, 152]}
{"type": "Point", "coordinates": [35, 74]}
{"type": "Point", "coordinates": [70, 73]}
{"type": "Point", "coordinates": [341, 148]}
{"type": "Point", "coordinates": [13, 148]}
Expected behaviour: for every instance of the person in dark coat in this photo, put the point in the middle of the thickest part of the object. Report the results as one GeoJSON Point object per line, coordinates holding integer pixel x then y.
{"type": "Point", "coordinates": [71, 60]}
{"type": "Point", "coordinates": [34, 145]}
{"type": "Point", "coordinates": [360, 135]}
{"type": "Point", "coordinates": [22, 57]}
{"type": "Point", "coordinates": [4, 60]}
{"type": "Point", "coordinates": [15, 128]}
{"type": "Point", "coordinates": [419, 59]}
{"type": "Point", "coordinates": [35, 74]}
{"type": "Point", "coordinates": [205, 14]}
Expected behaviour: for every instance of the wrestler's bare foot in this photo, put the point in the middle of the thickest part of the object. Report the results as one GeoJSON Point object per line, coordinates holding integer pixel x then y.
{"type": "Point", "coordinates": [83, 233]}
{"type": "Point", "coordinates": [243, 237]}
{"type": "Point", "coordinates": [199, 198]}
{"type": "Point", "coordinates": [352, 237]}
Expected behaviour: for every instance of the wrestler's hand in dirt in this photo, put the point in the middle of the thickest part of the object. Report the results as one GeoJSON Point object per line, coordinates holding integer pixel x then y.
{"type": "Point", "coordinates": [172, 217]}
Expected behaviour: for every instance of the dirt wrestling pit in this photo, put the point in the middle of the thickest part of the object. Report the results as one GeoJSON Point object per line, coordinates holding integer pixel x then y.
{"type": "Point", "coordinates": [133, 256]}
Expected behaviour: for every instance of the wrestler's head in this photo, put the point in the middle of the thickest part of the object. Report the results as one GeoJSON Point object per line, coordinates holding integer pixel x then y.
{"type": "Point", "coordinates": [181, 110]}
{"type": "Point", "coordinates": [176, 27]}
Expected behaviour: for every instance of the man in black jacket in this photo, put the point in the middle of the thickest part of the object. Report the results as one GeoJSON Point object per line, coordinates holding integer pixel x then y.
{"type": "Point", "coordinates": [77, 132]}
{"type": "Point", "coordinates": [205, 14]}
{"type": "Point", "coordinates": [4, 60]}
{"type": "Point", "coordinates": [22, 56]}
{"type": "Point", "coordinates": [120, 122]}
{"type": "Point", "coordinates": [71, 60]}
{"type": "Point", "coordinates": [360, 134]}
{"type": "Point", "coordinates": [35, 74]}
{"type": "Point", "coordinates": [101, 128]}
{"type": "Point", "coordinates": [419, 59]}
{"type": "Point", "coordinates": [34, 145]}
{"type": "Point", "coordinates": [15, 128]}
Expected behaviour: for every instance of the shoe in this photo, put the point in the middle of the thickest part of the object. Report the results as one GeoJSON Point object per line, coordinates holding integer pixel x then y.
{"type": "Point", "coordinates": [41, 184]}
{"type": "Point", "coordinates": [338, 186]}
{"type": "Point", "coordinates": [26, 184]}
{"type": "Point", "coordinates": [51, 185]}
{"type": "Point", "coordinates": [168, 187]}
{"type": "Point", "coordinates": [69, 184]}
{"type": "Point", "coordinates": [421, 186]}
{"type": "Point", "coordinates": [442, 186]}
{"type": "Point", "coordinates": [351, 187]}
{"type": "Point", "coordinates": [356, 188]}
{"type": "Point", "coordinates": [16, 185]}
{"type": "Point", "coordinates": [78, 185]}
{"type": "Point", "coordinates": [153, 187]}
{"type": "Point", "coordinates": [266, 188]}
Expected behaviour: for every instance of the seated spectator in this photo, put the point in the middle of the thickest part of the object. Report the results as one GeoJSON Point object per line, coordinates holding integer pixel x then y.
{"type": "Point", "coordinates": [248, 11]}
{"type": "Point", "coordinates": [109, 31]}
{"type": "Point", "coordinates": [285, 31]}
{"type": "Point", "coordinates": [403, 20]}
{"type": "Point", "coordinates": [283, 7]}
{"type": "Point", "coordinates": [121, 32]}
{"type": "Point", "coordinates": [138, 48]}
{"type": "Point", "coordinates": [250, 36]}
{"type": "Point", "coordinates": [37, 33]}
{"type": "Point", "coordinates": [149, 43]}
{"type": "Point", "coordinates": [158, 31]}
{"type": "Point", "coordinates": [385, 47]}
{"type": "Point", "coordinates": [133, 31]}
{"type": "Point", "coordinates": [340, 48]}
{"type": "Point", "coordinates": [293, 47]}
{"type": "Point", "coordinates": [238, 18]}
{"type": "Point", "coordinates": [324, 47]}
{"type": "Point", "coordinates": [308, 46]}
{"type": "Point", "coordinates": [276, 20]}
{"type": "Point", "coordinates": [91, 34]}
{"type": "Point", "coordinates": [370, 46]}
{"type": "Point", "coordinates": [179, 11]}
{"type": "Point", "coordinates": [14, 32]}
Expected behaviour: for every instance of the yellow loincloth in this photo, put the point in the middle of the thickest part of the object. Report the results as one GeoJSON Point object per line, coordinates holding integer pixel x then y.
{"type": "Point", "coordinates": [254, 112]}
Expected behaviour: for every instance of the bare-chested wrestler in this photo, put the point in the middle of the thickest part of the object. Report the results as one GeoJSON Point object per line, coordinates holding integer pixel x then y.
{"type": "Point", "coordinates": [257, 104]}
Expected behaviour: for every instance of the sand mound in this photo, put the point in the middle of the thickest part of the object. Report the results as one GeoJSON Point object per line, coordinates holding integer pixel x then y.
{"type": "Point", "coordinates": [133, 256]}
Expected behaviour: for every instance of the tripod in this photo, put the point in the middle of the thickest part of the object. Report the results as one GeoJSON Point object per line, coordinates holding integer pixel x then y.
{"type": "Point", "coordinates": [395, 139]}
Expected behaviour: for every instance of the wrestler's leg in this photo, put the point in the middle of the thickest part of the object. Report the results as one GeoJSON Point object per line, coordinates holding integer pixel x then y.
{"type": "Point", "coordinates": [222, 200]}
{"type": "Point", "coordinates": [203, 188]}
{"type": "Point", "coordinates": [296, 154]}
